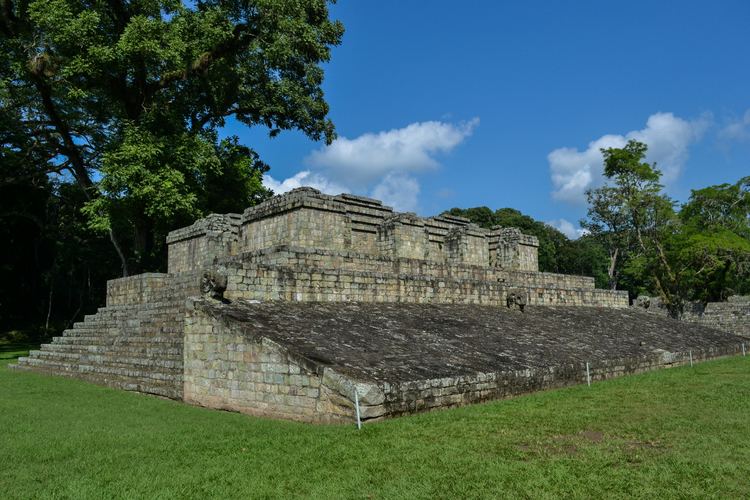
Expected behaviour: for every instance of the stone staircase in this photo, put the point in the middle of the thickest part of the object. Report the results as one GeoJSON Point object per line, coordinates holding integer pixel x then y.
{"type": "Point", "coordinates": [136, 347]}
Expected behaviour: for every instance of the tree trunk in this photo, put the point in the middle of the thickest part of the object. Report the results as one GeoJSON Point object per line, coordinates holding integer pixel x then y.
{"type": "Point", "coordinates": [49, 309]}
{"type": "Point", "coordinates": [120, 253]}
{"type": "Point", "coordinates": [611, 270]}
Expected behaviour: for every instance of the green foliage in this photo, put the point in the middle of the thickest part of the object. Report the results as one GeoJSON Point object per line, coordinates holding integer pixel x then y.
{"type": "Point", "coordinates": [557, 253]}
{"type": "Point", "coordinates": [674, 433]}
{"type": "Point", "coordinates": [725, 206]}
{"type": "Point", "coordinates": [126, 98]}
{"type": "Point", "coordinates": [700, 253]}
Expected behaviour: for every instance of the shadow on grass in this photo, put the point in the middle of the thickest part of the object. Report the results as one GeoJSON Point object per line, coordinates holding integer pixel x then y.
{"type": "Point", "coordinates": [13, 350]}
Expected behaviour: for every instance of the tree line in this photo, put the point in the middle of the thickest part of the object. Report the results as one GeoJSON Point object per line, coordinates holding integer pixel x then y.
{"type": "Point", "coordinates": [639, 239]}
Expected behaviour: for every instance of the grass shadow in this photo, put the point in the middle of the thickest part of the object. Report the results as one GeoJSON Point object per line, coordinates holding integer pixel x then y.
{"type": "Point", "coordinates": [14, 350]}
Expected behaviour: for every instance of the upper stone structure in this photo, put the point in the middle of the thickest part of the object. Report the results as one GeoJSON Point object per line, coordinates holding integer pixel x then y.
{"type": "Point", "coordinates": [306, 218]}
{"type": "Point", "coordinates": [308, 246]}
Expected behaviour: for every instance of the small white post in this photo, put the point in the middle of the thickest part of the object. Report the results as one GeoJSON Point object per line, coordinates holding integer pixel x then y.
{"type": "Point", "coordinates": [743, 349]}
{"type": "Point", "coordinates": [356, 406]}
{"type": "Point", "coordinates": [588, 374]}
{"type": "Point", "coordinates": [691, 357]}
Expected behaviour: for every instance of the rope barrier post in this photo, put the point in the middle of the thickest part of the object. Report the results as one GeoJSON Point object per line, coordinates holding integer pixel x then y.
{"type": "Point", "coordinates": [588, 374]}
{"type": "Point", "coordinates": [356, 406]}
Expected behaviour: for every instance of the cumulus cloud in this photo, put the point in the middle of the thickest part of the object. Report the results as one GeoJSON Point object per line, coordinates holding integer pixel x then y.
{"type": "Point", "coordinates": [567, 228]}
{"type": "Point", "coordinates": [399, 191]}
{"type": "Point", "coordinates": [383, 164]}
{"type": "Point", "coordinates": [372, 156]}
{"type": "Point", "coordinates": [668, 138]}
{"type": "Point", "coordinates": [303, 178]}
{"type": "Point", "coordinates": [737, 130]}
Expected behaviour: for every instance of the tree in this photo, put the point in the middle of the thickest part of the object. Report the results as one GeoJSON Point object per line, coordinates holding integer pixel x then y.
{"type": "Point", "coordinates": [725, 206]}
{"type": "Point", "coordinates": [125, 98]}
{"type": "Point", "coordinates": [713, 247]}
{"type": "Point", "coordinates": [607, 224]}
{"type": "Point", "coordinates": [701, 253]}
{"type": "Point", "coordinates": [634, 220]}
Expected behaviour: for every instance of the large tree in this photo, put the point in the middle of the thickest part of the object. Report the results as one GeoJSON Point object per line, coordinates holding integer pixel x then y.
{"type": "Point", "coordinates": [634, 219]}
{"type": "Point", "coordinates": [700, 253]}
{"type": "Point", "coordinates": [712, 250]}
{"type": "Point", "coordinates": [126, 98]}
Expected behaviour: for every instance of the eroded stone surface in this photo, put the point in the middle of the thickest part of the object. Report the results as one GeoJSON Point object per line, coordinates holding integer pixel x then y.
{"type": "Point", "coordinates": [400, 342]}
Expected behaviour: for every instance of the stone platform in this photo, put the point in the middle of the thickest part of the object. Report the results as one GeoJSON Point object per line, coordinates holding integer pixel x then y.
{"type": "Point", "coordinates": [305, 360]}
{"type": "Point", "coordinates": [286, 309]}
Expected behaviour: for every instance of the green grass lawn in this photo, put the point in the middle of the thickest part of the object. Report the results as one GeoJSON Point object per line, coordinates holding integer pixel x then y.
{"type": "Point", "coordinates": [683, 432]}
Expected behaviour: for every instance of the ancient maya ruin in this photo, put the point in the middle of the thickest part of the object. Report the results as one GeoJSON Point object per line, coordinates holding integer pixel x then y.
{"type": "Point", "coordinates": [307, 303]}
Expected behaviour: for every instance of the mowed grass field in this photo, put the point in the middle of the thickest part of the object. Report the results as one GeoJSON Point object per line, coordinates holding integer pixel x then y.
{"type": "Point", "coordinates": [677, 433]}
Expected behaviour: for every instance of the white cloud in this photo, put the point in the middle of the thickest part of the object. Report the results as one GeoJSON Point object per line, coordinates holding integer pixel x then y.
{"type": "Point", "coordinates": [399, 191]}
{"type": "Point", "coordinates": [383, 164]}
{"type": "Point", "coordinates": [303, 178]}
{"type": "Point", "coordinates": [737, 130]}
{"type": "Point", "coordinates": [567, 228]}
{"type": "Point", "coordinates": [372, 156]}
{"type": "Point", "coordinates": [668, 138]}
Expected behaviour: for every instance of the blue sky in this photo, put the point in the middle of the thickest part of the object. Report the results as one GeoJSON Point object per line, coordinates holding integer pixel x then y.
{"type": "Point", "coordinates": [442, 104]}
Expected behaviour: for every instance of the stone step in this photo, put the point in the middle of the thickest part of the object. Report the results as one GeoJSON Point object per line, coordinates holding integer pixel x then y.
{"type": "Point", "coordinates": [167, 389]}
{"type": "Point", "coordinates": [171, 327]}
{"type": "Point", "coordinates": [160, 364]}
{"type": "Point", "coordinates": [116, 353]}
{"type": "Point", "coordinates": [144, 340]}
{"type": "Point", "coordinates": [62, 367]}
{"type": "Point", "coordinates": [144, 310]}
{"type": "Point", "coordinates": [98, 322]}
{"type": "Point", "coordinates": [152, 349]}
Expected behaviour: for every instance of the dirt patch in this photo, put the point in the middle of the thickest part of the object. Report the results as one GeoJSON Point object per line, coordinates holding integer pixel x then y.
{"type": "Point", "coordinates": [593, 436]}
{"type": "Point", "coordinates": [564, 444]}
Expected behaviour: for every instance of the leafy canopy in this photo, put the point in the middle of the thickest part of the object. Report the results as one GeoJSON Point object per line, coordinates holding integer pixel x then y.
{"type": "Point", "coordinates": [126, 98]}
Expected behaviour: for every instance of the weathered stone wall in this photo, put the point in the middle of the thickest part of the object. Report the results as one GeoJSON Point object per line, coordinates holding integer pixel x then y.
{"type": "Point", "coordinates": [260, 359]}
{"type": "Point", "coordinates": [191, 248]}
{"type": "Point", "coordinates": [403, 237]}
{"type": "Point", "coordinates": [424, 395]}
{"type": "Point", "coordinates": [308, 218]}
{"type": "Point", "coordinates": [230, 368]}
{"type": "Point", "coordinates": [510, 249]}
{"type": "Point", "coordinates": [298, 274]}
{"type": "Point", "coordinates": [139, 289]}
{"type": "Point", "coordinates": [148, 288]}
{"type": "Point", "coordinates": [732, 316]}
{"type": "Point", "coordinates": [305, 227]}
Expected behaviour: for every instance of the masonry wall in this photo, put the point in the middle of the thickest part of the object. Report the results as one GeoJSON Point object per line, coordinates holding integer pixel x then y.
{"type": "Point", "coordinates": [307, 218]}
{"type": "Point", "coordinates": [227, 367]}
{"type": "Point", "coordinates": [148, 288]}
{"type": "Point", "coordinates": [305, 227]}
{"type": "Point", "coordinates": [297, 274]}
{"type": "Point", "coordinates": [200, 244]}
{"type": "Point", "coordinates": [732, 316]}
{"type": "Point", "coordinates": [423, 395]}
{"type": "Point", "coordinates": [305, 245]}
{"type": "Point", "coordinates": [139, 289]}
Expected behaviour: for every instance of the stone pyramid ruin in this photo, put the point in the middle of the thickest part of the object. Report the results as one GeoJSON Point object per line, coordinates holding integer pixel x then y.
{"type": "Point", "coordinates": [311, 307]}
